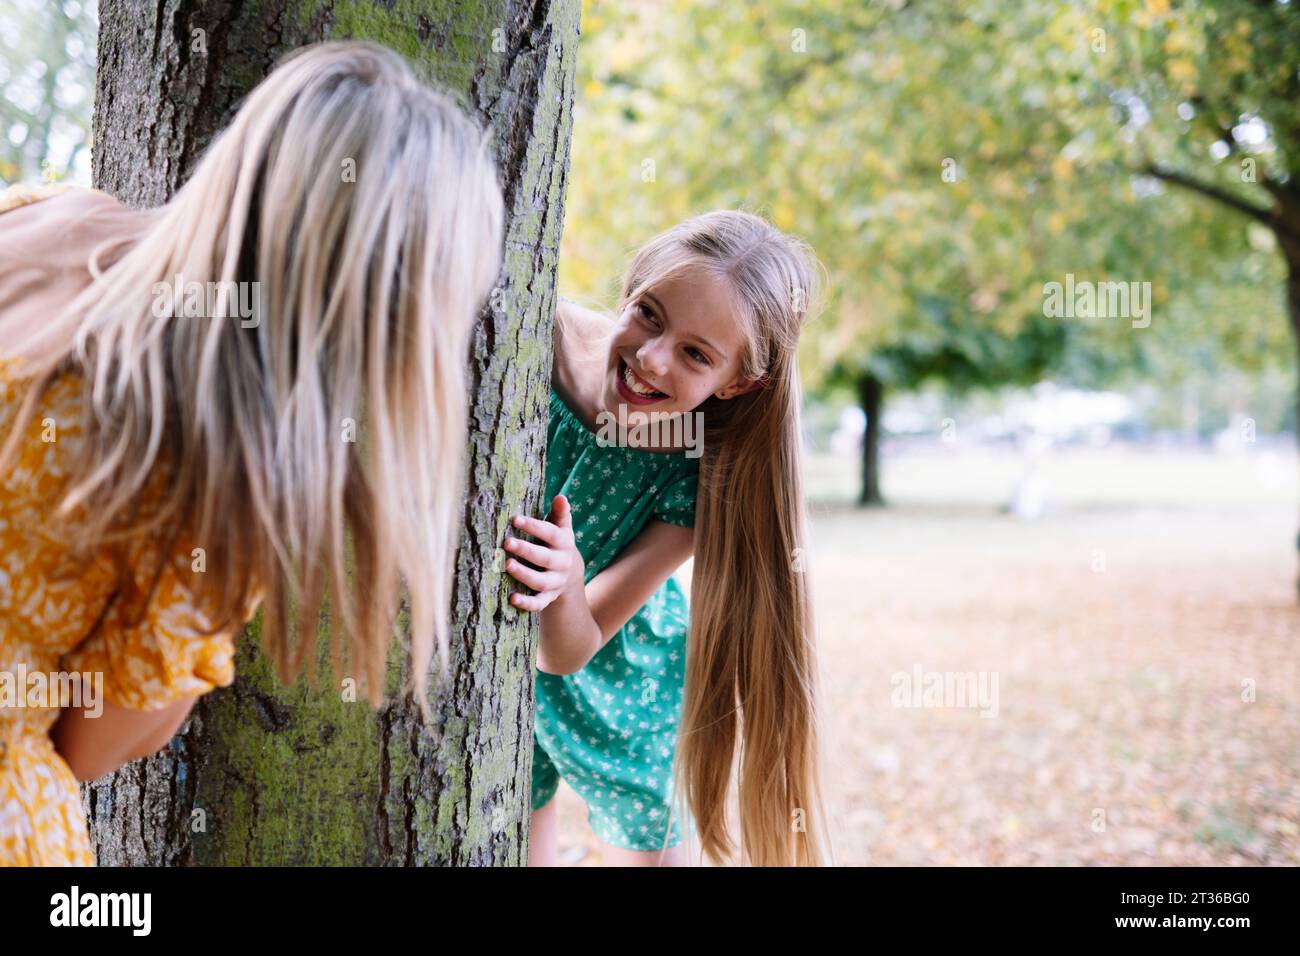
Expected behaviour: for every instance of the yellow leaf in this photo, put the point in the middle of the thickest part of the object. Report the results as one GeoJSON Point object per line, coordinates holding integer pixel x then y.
{"type": "Point", "coordinates": [1181, 70]}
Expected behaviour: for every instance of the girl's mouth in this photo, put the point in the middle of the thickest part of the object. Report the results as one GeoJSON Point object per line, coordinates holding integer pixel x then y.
{"type": "Point", "coordinates": [635, 389]}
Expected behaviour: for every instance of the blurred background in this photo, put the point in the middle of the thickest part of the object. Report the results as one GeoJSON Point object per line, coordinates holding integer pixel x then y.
{"type": "Point", "coordinates": [1090, 511]}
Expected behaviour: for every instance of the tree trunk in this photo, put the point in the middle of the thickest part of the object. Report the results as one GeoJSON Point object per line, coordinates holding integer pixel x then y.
{"type": "Point", "coordinates": [1291, 249]}
{"type": "Point", "coordinates": [262, 774]}
{"type": "Point", "coordinates": [870, 391]}
{"type": "Point", "coordinates": [1282, 216]}
{"type": "Point", "coordinates": [1288, 240]}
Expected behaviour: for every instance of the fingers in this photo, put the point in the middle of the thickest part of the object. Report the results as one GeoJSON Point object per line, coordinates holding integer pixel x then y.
{"type": "Point", "coordinates": [537, 580]}
{"type": "Point", "coordinates": [562, 512]}
{"type": "Point", "coordinates": [543, 530]}
{"type": "Point", "coordinates": [533, 602]}
{"type": "Point", "coordinates": [533, 553]}
{"type": "Point", "coordinates": [549, 576]}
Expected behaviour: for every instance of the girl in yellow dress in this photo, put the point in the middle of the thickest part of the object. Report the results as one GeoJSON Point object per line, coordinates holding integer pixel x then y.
{"type": "Point", "coordinates": [171, 458]}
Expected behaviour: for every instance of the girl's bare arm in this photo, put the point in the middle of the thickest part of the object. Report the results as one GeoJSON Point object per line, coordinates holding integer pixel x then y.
{"type": "Point", "coordinates": [619, 591]}
{"type": "Point", "coordinates": [577, 620]}
{"type": "Point", "coordinates": [93, 746]}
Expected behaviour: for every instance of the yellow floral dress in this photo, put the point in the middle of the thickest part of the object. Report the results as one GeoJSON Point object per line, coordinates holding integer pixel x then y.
{"type": "Point", "coordinates": [56, 623]}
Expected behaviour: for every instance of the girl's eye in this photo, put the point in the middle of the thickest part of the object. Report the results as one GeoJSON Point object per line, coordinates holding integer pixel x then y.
{"type": "Point", "coordinates": [697, 355]}
{"type": "Point", "coordinates": [646, 312]}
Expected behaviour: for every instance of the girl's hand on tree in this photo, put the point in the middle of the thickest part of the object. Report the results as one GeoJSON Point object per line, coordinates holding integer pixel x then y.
{"type": "Point", "coordinates": [554, 565]}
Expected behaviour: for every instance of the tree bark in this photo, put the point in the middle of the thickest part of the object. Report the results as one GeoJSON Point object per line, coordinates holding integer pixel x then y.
{"type": "Point", "coordinates": [1282, 216]}
{"type": "Point", "coordinates": [1291, 249]}
{"type": "Point", "coordinates": [870, 392]}
{"type": "Point", "coordinates": [1287, 230]}
{"type": "Point", "coordinates": [263, 774]}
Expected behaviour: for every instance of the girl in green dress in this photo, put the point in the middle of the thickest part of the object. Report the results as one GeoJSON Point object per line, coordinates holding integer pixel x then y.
{"type": "Point", "coordinates": [642, 701]}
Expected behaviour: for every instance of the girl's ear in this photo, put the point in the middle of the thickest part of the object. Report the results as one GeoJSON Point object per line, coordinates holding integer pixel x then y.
{"type": "Point", "coordinates": [739, 387]}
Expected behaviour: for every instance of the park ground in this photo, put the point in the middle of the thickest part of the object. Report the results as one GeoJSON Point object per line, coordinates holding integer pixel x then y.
{"type": "Point", "coordinates": [1144, 634]}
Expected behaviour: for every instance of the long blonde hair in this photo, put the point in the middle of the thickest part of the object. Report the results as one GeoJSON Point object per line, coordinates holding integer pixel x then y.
{"type": "Point", "coordinates": [752, 675]}
{"type": "Point", "coordinates": [330, 430]}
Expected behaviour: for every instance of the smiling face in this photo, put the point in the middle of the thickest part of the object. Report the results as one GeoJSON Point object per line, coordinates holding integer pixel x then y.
{"type": "Point", "coordinates": [674, 346]}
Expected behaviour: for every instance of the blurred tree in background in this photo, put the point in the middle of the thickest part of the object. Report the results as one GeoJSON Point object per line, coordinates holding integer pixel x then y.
{"type": "Point", "coordinates": [47, 75]}
{"type": "Point", "coordinates": [948, 160]}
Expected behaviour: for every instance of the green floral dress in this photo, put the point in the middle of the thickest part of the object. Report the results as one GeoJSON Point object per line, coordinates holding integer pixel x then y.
{"type": "Point", "coordinates": [610, 729]}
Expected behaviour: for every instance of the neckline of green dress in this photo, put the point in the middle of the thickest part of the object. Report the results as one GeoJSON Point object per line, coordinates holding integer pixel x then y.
{"type": "Point", "coordinates": [570, 418]}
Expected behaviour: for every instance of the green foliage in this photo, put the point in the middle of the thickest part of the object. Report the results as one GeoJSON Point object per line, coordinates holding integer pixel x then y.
{"type": "Point", "coordinates": [47, 74]}
{"type": "Point", "coordinates": [948, 160]}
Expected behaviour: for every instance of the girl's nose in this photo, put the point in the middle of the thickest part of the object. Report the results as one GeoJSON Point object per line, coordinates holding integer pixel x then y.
{"type": "Point", "coordinates": [653, 357]}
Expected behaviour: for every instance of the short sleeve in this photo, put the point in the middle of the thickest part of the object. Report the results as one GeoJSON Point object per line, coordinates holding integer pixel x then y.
{"type": "Point", "coordinates": [164, 654]}
{"type": "Point", "coordinates": [676, 504]}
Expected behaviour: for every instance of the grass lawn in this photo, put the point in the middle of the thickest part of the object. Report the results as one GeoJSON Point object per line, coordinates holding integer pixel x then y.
{"type": "Point", "coordinates": [1141, 640]}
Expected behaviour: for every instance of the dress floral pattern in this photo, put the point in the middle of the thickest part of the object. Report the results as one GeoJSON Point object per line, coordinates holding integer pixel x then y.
{"type": "Point", "coordinates": [610, 729]}
{"type": "Point", "coordinates": [60, 616]}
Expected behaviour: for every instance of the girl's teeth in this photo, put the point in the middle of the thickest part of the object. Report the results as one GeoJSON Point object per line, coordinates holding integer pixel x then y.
{"type": "Point", "coordinates": [636, 386]}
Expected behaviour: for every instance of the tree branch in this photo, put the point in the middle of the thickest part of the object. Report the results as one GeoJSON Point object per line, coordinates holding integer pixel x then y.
{"type": "Point", "coordinates": [1268, 217]}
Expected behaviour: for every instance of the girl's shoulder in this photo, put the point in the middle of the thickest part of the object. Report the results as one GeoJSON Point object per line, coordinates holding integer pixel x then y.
{"type": "Point", "coordinates": [579, 352]}
{"type": "Point", "coordinates": [53, 229]}
{"type": "Point", "coordinates": [24, 194]}
{"type": "Point", "coordinates": [48, 236]}
{"type": "Point", "coordinates": [18, 195]}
